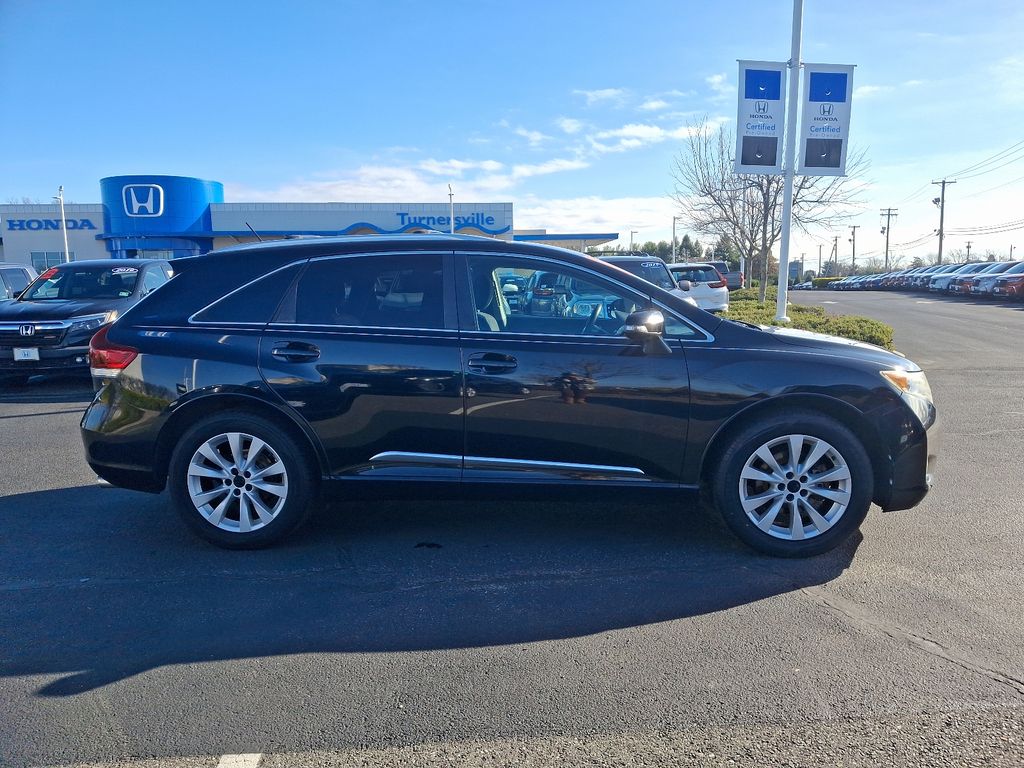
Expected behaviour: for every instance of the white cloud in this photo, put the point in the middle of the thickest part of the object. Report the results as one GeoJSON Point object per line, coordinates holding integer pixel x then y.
{"type": "Point", "coordinates": [653, 104]}
{"type": "Point", "coordinates": [635, 135]}
{"type": "Point", "coordinates": [602, 95]}
{"type": "Point", "coordinates": [913, 83]}
{"type": "Point", "coordinates": [550, 166]}
{"type": "Point", "coordinates": [720, 85]}
{"type": "Point", "coordinates": [456, 167]}
{"type": "Point", "coordinates": [1008, 75]}
{"type": "Point", "coordinates": [569, 125]}
{"type": "Point", "coordinates": [423, 182]}
{"type": "Point", "coordinates": [867, 91]}
{"type": "Point", "coordinates": [534, 137]}
{"type": "Point", "coordinates": [650, 216]}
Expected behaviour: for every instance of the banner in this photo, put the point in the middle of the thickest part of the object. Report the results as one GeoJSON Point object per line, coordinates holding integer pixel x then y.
{"type": "Point", "coordinates": [825, 122]}
{"type": "Point", "coordinates": [760, 116]}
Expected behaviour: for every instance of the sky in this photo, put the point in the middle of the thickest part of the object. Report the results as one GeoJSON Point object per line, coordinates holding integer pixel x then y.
{"type": "Point", "coordinates": [574, 111]}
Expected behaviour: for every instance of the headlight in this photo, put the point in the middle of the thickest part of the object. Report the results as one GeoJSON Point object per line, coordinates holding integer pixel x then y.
{"type": "Point", "coordinates": [92, 322]}
{"type": "Point", "coordinates": [913, 388]}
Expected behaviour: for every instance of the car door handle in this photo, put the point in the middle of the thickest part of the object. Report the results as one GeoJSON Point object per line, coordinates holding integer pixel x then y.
{"type": "Point", "coordinates": [491, 362]}
{"type": "Point", "coordinates": [295, 352]}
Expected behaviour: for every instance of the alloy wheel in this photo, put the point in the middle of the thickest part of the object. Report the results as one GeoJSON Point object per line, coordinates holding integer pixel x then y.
{"type": "Point", "coordinates": [237, 482]}
{"type": "Point", "coordinates": [795, 487]}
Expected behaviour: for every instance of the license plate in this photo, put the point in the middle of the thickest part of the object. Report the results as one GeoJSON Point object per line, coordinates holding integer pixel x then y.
{"type": "Point", "coordinates": [26, 353]}
{"type": "Point", "coordinates": [997, 290]}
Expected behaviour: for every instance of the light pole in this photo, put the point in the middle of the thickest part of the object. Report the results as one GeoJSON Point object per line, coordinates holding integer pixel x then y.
{"type": "Point", "coordinates": [631, 233]}
{"type": "Point", "coordinates": [674, 219]}
{"type": "Point", "coordinates": [451, 208]}
{"type": "Point", "coordinates": [63, 222]}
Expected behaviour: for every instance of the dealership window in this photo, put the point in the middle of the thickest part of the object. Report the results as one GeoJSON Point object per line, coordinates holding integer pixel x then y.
{"type": "Point", "coordinates": [45, 259]}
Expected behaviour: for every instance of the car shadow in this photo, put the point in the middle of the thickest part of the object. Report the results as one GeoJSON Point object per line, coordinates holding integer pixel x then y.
{"type": "Point", "coordinates": [48, 389]}
{"type": "Point", "coordinates": [118, 587]}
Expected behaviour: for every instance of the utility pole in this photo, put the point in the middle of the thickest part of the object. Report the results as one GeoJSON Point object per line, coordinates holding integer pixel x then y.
{"type": "Point", "coordinates": [853, 262]}
{"type": "Point", "coordinates": [674, 219]}
{"type": "Point", "coordinates": [968, 250]}
{"type": "Point", "coordinates": [941, 202]}
{"type": "Point", "coordinates": [888, 213]}
{"type": "Point", "coordinates": [1011, 251]}
{"type": "Point", "coordinates": [631, 233]}
{"type": "Point", "coordinates": [834, 256]}
{"type": "Point", "coordinates": [819, 259]}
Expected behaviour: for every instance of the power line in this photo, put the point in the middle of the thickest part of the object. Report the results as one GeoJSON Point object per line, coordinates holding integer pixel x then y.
{"type": "Point", "coordinates": [986, 161]}
{"type": "Point", "coordinates": [992, 189]}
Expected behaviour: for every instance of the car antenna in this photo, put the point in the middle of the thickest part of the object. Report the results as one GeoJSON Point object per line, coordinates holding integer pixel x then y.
{"type": "Point", "coordinates": [254, 231]}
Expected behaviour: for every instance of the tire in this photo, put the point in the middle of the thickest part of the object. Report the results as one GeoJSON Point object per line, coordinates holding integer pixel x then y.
{"type": "Point", "coordinates": [237, 514]}
{"type": "Point", "coordinates": [831, 495]}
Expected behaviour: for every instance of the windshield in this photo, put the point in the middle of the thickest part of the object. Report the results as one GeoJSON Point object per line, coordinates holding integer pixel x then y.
{"type": "Point", "coordinates": [79, 281]}
{"type": "Point", "coordinates": [652, 271]}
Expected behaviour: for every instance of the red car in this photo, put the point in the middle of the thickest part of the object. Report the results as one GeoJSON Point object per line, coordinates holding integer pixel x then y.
{"type": "Point", "coordinates": [1011, 284]}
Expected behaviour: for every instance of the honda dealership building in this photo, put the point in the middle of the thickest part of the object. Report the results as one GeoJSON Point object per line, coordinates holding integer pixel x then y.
{"type": "Point", "coordinates": [174, 216]}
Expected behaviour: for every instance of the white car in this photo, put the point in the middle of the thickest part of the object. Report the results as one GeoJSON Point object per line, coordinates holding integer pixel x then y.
{"type": "Point", "coordinates": [707, 286]}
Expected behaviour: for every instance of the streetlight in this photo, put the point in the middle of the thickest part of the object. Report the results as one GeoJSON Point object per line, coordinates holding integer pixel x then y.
{"type": "Point", "coordinates": [63, 222]}
{"type": "Point", "coordinates": [451, 207]}
{"type": "Point", "coordinates": [631, 233]}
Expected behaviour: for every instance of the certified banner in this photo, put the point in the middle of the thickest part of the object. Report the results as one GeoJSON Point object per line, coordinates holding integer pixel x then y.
{"type": "Point", "coordinates": [760, 116]}
{"type": "Point", "coordinates": [825, 122]}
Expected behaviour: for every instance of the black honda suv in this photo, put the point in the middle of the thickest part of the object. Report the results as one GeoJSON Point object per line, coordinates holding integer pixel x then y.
{"type": "Point", "coordinates": [48, 327]}
{"type": "Point", "coordinates": [393, 366]}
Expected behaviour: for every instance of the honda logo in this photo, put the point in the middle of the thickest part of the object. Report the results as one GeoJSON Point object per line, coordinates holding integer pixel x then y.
{"type": "Point", "coordinates": [761, 107]}
{"type": "Point", "coordinates": [143, 200]}
{"type": "Point", "coordinates": [827, 109]}
{"type": "Point", "coordinates": [27, 330]}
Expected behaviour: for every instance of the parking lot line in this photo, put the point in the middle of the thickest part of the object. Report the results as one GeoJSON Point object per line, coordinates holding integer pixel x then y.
{"type": "Point", "coordinates": [251, 760]}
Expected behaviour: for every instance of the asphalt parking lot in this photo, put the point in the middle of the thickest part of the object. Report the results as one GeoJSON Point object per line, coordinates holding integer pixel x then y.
{"type": "Point", "coordinates": [524, 633]}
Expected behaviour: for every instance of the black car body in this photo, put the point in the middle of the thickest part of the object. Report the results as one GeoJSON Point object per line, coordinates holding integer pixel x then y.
{"type": "Point", "coordinates": [391, 366]}
{"type": "Point", "coordinates": [47, 329]}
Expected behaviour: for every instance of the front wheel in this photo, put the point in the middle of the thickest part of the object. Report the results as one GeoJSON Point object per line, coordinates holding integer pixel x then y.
{"type": "Point", "coordinates": [794, 485]}
{"type": "Point", "coordinates": [240, 481]}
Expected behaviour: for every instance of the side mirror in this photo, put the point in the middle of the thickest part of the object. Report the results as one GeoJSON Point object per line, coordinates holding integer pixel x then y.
{"type": "Point", "coordinates": [646, 327]}
{"type": "Point", "coordinates": [684, 285]}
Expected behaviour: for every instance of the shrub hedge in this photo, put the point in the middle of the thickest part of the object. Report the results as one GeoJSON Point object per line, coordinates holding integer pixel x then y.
{"type": "Point", "coordinates": [809, 318]}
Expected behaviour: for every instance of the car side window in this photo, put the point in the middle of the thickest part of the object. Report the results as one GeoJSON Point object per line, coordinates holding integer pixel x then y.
{"type": "Point", "coordinates": [17, 280]}
{"type": "Point", "coordinates": [154, 279]}
{"type": "Point", "coordinates": [253, 303]}
{"type": "Point", "coordinates": [519, 295]}
{"type": "Point", "coordinates": [375, 291]}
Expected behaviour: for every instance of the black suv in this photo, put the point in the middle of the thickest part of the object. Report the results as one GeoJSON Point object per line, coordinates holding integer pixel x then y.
{"type": "Point", "coordinates": [47, 329]}
{"type": "Point", "coordinates": [392, 366]}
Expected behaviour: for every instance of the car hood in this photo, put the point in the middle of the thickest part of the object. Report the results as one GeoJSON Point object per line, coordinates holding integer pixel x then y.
{"type": "Point", "coordinates": [837, 345]}
{"type": "Point", "coordinates": [58, 309]}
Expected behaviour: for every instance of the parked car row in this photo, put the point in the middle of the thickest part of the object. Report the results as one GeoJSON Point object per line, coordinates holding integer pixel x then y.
{"type": "Point", "coordinates": [983, 279]}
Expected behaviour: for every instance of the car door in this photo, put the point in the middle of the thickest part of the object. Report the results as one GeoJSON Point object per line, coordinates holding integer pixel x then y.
{"type": "Point", "coordinates": [565, 396]}
{"type": "Point", "coordinates": [365, 348]}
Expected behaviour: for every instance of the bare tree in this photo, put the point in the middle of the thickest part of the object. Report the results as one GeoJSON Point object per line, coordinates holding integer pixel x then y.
{"type": "Point", "coordinates": [714, 200]}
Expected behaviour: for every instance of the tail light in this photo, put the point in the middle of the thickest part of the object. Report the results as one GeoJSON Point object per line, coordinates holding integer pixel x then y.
{"type": "Point", "coordinates": [720, 283]}
{"type": "Point", "coordinates": [107, 358]}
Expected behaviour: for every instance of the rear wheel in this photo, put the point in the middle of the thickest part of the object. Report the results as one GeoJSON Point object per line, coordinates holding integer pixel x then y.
{"type": "Point", "coordinates": [794, 486]}
{"type": "Point", "coordinates": [240, 481]}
